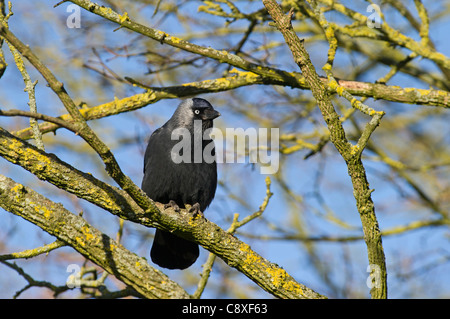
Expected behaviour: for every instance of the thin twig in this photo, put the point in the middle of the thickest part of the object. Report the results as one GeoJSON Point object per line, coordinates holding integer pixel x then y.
{"type": "Point", "coordinates": [38, 116]}
{"type": "Point", "coordinates": [29, 253]}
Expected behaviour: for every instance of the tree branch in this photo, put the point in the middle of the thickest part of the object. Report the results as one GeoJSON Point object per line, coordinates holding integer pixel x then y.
{"type": "Point", "coordinates": [82, 128]}
{"type": "Point", "coordinates": [270, 75]}
{"type": "Point", "coordinates": [207, 267]}
{"type": "Point", "coordinates": [241, 79]}
{"type": "Point", "coordinates": [29, 253]}
{"type": "Point", "coordinates": [351, 154]}
{"type": "Point", "coordinates": [88, 241]}
{"type": "Point", "coordinates": [234, 252]}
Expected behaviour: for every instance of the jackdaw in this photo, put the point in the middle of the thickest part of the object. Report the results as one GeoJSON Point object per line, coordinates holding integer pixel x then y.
{"type": "Point", "coordinates": [174, 182]}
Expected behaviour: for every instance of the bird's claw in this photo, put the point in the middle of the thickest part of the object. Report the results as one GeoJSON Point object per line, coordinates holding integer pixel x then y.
{"type": "Point", "coordinates": [195, 210]}
{"type": "Point", "coordinates": [172, 204]}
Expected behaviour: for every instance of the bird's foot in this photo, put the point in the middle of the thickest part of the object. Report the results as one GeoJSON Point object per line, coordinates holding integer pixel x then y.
{"type": "Point", "coordinates": [172, 204]}
{"type": "Point", "coordinates": [195, 210]}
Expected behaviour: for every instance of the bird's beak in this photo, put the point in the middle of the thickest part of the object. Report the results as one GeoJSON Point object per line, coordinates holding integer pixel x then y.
{"type": "Point", "coordinates": [210, 114]}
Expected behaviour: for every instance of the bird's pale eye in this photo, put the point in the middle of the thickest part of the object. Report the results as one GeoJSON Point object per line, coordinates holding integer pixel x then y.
{"type": "Point", "coordinates": [196, 112]}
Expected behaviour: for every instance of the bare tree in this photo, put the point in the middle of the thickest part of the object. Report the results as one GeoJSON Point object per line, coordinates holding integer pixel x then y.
{"type": "Point", "coordinates": [358, 91]}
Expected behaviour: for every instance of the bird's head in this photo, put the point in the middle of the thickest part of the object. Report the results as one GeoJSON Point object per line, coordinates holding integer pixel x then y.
{"type": "Point", "coordinates": [194, 109]}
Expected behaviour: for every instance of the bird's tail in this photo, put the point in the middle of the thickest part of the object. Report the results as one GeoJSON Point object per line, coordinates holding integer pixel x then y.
{"type": "Point", "coordinates": [172, 252]}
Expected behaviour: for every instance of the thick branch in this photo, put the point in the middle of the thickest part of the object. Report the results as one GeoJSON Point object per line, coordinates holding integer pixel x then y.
{"type": "Point", "coordinates": [50, 168]}
{"type": "Point", "coordinates": [88, 241]}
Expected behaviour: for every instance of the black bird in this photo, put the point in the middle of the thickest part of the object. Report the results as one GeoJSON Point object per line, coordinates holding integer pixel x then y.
{"type": "Point", "coordinates": [192, 181]}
